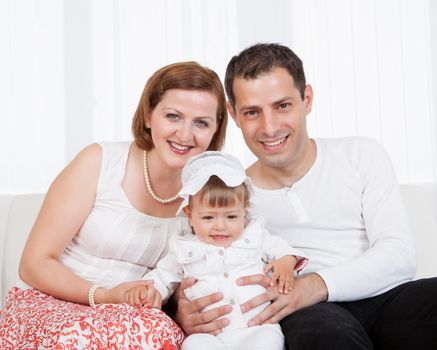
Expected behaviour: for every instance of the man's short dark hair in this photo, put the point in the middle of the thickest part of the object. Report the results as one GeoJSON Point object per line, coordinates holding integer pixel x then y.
{"type": "Point", "coordinates": [260, 59]}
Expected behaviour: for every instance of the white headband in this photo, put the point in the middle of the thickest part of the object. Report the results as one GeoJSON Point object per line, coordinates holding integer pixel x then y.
{"type": "Point", "coordinates": [200, 168]}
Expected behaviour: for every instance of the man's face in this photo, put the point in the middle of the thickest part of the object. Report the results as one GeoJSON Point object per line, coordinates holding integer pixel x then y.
{"type": "Point", "coordinates": [272, 116]}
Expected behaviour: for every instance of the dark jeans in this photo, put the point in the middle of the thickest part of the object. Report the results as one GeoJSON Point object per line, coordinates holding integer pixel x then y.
{"type": "Point", "coordinates": [402, 318]}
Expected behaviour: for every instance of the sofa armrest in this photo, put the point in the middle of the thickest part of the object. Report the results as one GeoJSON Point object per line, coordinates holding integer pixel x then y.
{"type": "Point", "coordinates": [19, 212]}
{"type": "Point", "coordinates": [421, 203]}
{"type": "Point", "coordinates": [5, 203]}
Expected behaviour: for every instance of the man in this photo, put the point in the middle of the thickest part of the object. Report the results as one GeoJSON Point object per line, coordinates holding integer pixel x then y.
{"type": "Point", "coordinates": [336, 199]}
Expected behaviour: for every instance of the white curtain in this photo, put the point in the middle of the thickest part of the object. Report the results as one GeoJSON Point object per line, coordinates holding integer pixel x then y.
{"type": "Point", "coordinates": [371, 64]}
{"type": "Point", "coordinates": [72, 71]}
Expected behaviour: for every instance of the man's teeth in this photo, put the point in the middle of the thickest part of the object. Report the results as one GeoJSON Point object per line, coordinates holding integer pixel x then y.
{"type": "Point", "coordinates": [274, 143]}
{"type": "Point", "coordinates": [179, 147]}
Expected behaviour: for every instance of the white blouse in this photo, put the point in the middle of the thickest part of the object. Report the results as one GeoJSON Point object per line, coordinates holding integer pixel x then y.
{"type": "Point", "coordinates": [117, 243]}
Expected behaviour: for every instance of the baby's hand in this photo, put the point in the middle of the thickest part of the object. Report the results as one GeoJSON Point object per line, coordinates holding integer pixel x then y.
{"type": "Point", "coordinates": [283, 269]}
{"type": "Point", "coordinates": [144, 295]}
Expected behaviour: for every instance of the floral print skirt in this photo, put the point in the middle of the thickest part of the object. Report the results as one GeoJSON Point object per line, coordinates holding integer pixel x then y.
{"type": "Point", "coordinates": [34, 320]}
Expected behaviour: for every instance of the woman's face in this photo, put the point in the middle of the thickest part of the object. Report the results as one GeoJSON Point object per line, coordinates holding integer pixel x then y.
{"type": "Point", "coordinates": [182, 125]}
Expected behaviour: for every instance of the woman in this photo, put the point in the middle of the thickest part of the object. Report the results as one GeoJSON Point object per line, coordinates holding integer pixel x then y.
{"type": "Point", "coordinates": [106, 220]}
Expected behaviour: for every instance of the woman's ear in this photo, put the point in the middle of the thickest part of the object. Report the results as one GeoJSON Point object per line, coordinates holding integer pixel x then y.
{"type": "Point", "coordinates": [148, 121]}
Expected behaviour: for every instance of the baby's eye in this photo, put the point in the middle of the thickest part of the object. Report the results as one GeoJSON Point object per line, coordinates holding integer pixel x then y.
{"type": "Point", "coordinates": [232, 217]}
{"type": "Point", "coordinates": [207, 217]}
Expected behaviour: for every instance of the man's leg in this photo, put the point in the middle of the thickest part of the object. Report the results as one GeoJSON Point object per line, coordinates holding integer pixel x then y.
{"type": "Point", "coordinates": [324, 326]}
{"type": "Point", "coordinates": [409, 319]}
{"type": "Point", "coordinates": [405, 317]}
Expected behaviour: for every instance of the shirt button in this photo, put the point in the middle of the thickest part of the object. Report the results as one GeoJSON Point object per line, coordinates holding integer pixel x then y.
{"type": "Point", "coordinates": [246, 240]}
{"type": "Point", "coordinates": [226, 275]}
{"type": "Point", "coordinates": [232, 301]}
{"type": "Point", "coordinates": [222, 252]}
{"type": "Point", "coordinates": [190, 254]}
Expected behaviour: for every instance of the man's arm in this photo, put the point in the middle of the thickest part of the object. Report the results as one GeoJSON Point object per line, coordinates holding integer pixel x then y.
{"type": "Point", "coordinates": [390, 257]}
{"type": "Point", "coordinates": [306, 291]}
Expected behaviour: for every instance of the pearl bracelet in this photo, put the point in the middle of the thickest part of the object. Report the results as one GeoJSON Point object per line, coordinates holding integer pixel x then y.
{"type": "Point", "coordinates": [91, 293]}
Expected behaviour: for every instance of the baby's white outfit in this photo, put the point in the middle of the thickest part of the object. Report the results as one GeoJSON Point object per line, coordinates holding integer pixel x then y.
{"type": "Point", "coordinates": [216, 269]}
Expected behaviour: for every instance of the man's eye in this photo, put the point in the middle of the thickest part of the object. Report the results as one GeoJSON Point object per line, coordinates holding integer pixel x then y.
{"type": "Point", "coordinates": [250, 113]}
{"type": "Point", "coordinates": [284, 105]}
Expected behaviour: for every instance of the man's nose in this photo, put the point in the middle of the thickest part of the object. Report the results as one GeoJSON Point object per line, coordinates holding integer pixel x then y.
{"type": "Point", "coordinates": [270, 126]}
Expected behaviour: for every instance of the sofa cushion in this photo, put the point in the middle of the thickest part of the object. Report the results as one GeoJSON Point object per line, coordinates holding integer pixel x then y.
{"type": "Point", "coordinates": [16, 223]}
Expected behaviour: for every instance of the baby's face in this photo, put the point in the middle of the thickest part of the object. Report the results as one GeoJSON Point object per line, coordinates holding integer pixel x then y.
{"type": "Point", "coordinates": [216, 226]}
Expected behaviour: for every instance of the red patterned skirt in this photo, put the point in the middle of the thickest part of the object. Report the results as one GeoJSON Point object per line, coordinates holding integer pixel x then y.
{"type": "Point", "coordinates": [34, 320]}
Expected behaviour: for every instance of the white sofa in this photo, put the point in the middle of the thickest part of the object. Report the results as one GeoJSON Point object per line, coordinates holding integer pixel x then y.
{"type": "Point", "coordinates": [18, 212]}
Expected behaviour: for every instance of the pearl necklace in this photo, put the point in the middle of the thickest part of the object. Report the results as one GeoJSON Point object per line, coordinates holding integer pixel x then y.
{"type": "Point", "coordinates": [149, 187]}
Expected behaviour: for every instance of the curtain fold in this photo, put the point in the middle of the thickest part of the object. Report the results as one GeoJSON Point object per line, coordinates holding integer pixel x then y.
{"type": "Point", "coordinates": [72, 72]}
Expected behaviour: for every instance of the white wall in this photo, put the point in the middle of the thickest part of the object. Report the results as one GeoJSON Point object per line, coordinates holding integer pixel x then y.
{"type": "Point", "coordinates": [72, 71]}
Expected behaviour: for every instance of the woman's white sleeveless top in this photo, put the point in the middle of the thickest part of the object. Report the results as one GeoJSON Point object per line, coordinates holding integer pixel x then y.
{"type": "Point", "coordinates": [117, 243]}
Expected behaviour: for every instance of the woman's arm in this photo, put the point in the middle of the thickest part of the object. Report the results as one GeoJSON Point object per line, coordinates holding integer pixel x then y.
{"type": "Point", "coordinates": [66, 206]}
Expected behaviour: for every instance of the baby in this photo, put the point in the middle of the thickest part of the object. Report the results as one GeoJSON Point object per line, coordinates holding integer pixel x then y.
{"type": "Point", "coordinates": [225, 243]}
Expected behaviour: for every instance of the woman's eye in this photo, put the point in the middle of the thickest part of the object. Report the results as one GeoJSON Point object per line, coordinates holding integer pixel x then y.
{"type": "Point", "coordinates": [172, 116]}
{"type": "Point", "coordinates": [201, 123]}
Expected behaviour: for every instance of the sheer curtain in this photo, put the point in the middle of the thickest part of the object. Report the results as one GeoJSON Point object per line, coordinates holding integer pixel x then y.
{"type": "Point", "coordinates": [371, 64]}
{"type": "Point", "coordinates": [72, 71]}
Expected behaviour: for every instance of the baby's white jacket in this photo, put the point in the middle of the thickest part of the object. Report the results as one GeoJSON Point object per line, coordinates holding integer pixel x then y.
{"type": "Point", "coordinates": [216, 268]}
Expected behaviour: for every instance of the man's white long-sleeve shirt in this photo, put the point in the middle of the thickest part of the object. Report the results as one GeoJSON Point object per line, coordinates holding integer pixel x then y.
{"type": "Point", "coordinates": [346, 214]}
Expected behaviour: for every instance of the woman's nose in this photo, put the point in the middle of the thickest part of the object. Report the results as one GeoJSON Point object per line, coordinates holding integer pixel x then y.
{"type": "Point", "coordinates": [185, 132]}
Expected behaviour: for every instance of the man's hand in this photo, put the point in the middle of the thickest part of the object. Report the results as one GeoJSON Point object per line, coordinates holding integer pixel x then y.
{"type": "Point", "coordinates": [307, 290]}
{"type": "Point", "coordinates": [190, 317]}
